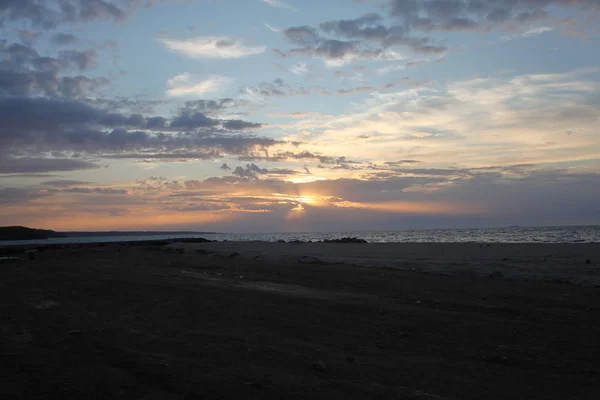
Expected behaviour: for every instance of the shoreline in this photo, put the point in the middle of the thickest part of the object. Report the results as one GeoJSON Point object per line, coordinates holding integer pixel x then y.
{"type": "Point", "coordinates": [573, 263]}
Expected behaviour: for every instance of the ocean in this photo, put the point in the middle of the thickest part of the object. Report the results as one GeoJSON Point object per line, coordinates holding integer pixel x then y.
{"type": "Point", "coordinates": [550, 234]}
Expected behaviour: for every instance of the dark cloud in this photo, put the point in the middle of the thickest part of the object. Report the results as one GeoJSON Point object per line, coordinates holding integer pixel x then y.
{"type": "Point", "coordinates": [401, 163]}
{"type": "Point", "coordinates": [192, 120]}
{"type": "Point", "coordinates": [303, 155]}
{"type": "Point", "coordinates": [34, 125]}
{"type": "Point", "coordinates": [64, 39]}
{"type": "Point", "coordinates": [215, 107]}
{"type": "Point", "coordinates": [80, 86]}
{"type": "Point", "coordinates": [359, 36]}
{"type": "Point", "coordinates": [370, 35]}
{"type": "Point", "coordinates": [250, 171]}
{"type": "Point", "coordinates": [190, 207]}
{"type": "Point", "coordinates": [173, 155]}
{"type": "Point", "coordinates": [64, 183]}
{"type": "Point", "coordinates": [10, 196]}
{"type": "Point", "coordinates": [282, 171]}
{"type": "Point", "coordinates": [238, 125]}
{"type": "Point", "coordinates": [28, 36]}
{"type": "Point", "coordinates": [48, 14]}
{"type": "Point", "coordinates": [86, 190]}
{"type": "Point", "coordinates": [83, 60]}
{"type": "Point", "coordinates": [24, 72]}
{"type": "Point", "coordinates": [369, 28]}
{"type": "Point", "coordinates": [11, 165]}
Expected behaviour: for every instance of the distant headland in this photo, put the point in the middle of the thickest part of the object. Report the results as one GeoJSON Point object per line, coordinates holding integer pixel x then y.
{"type": "Point", "coordinates": [25, 233]}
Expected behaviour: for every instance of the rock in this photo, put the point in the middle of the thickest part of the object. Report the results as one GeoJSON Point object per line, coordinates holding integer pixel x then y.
{"type": "Point", "coordinates": [345, 240]}
{"type": "Point", "coordinates": [75, 332]}
{"type": "Point", "coordinates": [281, 241]}
{"type": "Point", "coordinates": [588, 261]}
{"type": "Point", "coordinates": [193, 240]}
{"type": "Point", "coordinates": [203, 252]}
{"type": "Point", "coordinates": [235, 254]}
{"type": "Point", "coordinates": [180, 250]}
{"type": "Point", "coordinates": [496, 275]}
{"type": "Point", "coordinates": [319, 366]}
{"type": "Point", "coordinates": [350, 359]}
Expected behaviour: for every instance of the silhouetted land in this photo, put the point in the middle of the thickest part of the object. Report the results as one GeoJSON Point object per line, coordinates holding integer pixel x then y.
{"type": "Point", "coordinates": [149, 321]}
{"type": "Point", "coordinates": [24, 233]}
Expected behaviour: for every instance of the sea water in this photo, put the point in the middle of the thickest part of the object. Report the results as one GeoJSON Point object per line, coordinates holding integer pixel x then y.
{"type": "Point", "coordinates": [558, 234]}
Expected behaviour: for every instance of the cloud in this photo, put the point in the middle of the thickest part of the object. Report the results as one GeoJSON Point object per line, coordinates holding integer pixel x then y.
{"type": "Point", "coordinates": [301, 69]}
{"type": "Point", "coordinates": [24, 72]}
{"type": "Point", "coordinates": [35, 127]}
{"type": "Point", "coordinates": [64, 39]}
{"type": "Point", "coordinates": [272, 28]}
{"type": "Point", "coordinates": [476, 122]}
{"type": "Point", "coordinates": [9, 196]}
{"type": "Point", "coordinates": [333, 51]}
{"type": "Point", "coordinates": [48, 14]}
{"type": "Point", "coordinates": [64, 183]}
{"type": "Point", "coordinates": [280, 4]}
{"type": "Point", "coordinates": [187, 85]}
{"type": "Point", "coordinates": [360, 89]}
{"type": "Point", "coordinates": [212, 47]}
{"type": "Point", "coordinates": [250, 171]}
{"type": "Point", "coordinates": [528, 33]}
{"type": "Point", "coordinates": [12, 165]}
{"type": "Point", "coordinates": [303, 155]}
{"type": "Point", "coordinates": [275, 88]}
{"type": "Point", "coordinates": [410, 25]}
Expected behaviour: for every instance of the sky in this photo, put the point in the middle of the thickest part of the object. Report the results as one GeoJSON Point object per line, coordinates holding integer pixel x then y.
{"type": "Point", "coordinates": [273, 115]}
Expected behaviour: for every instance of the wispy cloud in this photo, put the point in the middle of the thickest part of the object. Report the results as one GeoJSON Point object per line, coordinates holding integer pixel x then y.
{"type": "Point", "coordinates": [280, 4]}
{"type": "Point", "coordinates": [212, 47]}
{"type": "Point", "coordinates": [301, 69]}
{"type": "Point", "coordinates": [528, 33]}
{"type": "Point", "coordinates": [187, 85]}
{"type": "Point", "coordinates": [272, 28]}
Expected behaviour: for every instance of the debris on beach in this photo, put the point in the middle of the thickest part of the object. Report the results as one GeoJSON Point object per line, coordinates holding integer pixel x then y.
{"type": "Point", "coordinates": [310, 260]}
{"type": "Point", "coordinates": [496, 275]}
{"type": "Point", "coordinates": [319, 366]}
{"type": "Point", "coordinates": [46, 304]}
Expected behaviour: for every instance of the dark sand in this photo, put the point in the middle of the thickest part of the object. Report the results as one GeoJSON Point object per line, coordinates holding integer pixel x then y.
{"type": "Point", "coordinates": [136, 322]}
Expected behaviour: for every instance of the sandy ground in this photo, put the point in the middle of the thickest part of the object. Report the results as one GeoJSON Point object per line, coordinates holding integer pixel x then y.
{"type": "Point", "coordinates": [149, 322]}
{"type": "Point", "coordinates": [544, 262]}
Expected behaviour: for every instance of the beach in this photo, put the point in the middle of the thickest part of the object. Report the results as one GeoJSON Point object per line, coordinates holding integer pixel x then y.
{"type": "Point", "coordinates": [228, 320]}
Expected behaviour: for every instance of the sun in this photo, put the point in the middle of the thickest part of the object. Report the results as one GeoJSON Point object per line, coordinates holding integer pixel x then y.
{"type": "Point", "coordinates": [306, 200]}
